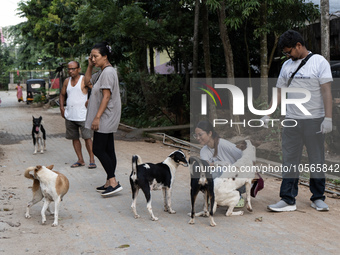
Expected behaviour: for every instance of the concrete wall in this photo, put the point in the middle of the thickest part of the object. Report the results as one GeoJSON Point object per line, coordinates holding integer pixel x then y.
{"type": "Point", "coordinates": [12, 86]}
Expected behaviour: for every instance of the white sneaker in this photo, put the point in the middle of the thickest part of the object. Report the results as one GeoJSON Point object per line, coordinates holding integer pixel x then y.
{"type": "Point", "coordinates": [282, 206]}
{"type": "Point", "coordinates": [320, 205]}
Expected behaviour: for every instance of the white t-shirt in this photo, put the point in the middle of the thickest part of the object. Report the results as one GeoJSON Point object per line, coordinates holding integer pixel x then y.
{"type": "Point", "coordinates": [75, 109]}
{"type": "Point", "coordinates": [311, 76]}
{"type": "Point", "coordinates": [227, 152]}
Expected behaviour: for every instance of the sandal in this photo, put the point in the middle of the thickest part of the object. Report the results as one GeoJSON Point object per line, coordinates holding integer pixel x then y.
{"type": "Point", "coordinates": [92, 165]}
{"type": "Point", "coordinates": [77, 164]}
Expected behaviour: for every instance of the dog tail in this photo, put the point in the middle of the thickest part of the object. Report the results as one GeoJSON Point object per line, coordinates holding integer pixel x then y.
{"type": "Point", "coordinates": [136, 160]}
{"type": "Point", "coordinates": [200, 168]}
{"type": "Point", "coordinates": [27, 173]}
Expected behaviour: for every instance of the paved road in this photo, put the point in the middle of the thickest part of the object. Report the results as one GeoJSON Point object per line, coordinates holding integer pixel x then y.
{"type": "Point", "coordinates": [90, 224]}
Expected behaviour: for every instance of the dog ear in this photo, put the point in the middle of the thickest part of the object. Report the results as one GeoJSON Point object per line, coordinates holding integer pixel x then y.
{"type": "Point", "coordinates": [50, 167]}
{"type": "Point", "coordinates": [182, 152]}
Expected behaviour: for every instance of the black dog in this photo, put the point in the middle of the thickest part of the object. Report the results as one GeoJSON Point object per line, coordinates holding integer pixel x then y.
{"type": "Point", "coordinates": [201, 180]}
{"type": "Point", "coordinates": [38, 135]}
{"type": "Point", "coordinates": [150, 176]}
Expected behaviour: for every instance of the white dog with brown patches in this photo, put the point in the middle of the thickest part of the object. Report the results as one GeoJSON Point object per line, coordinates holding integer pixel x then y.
{"type": "Point", "coordinates": [225, 186]}
{"type": "Point", "coordinates": [47, 184]}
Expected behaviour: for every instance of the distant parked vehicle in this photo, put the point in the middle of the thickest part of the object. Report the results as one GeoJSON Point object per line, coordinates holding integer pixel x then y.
{"type": "Point", "coordinates": [34, 87]}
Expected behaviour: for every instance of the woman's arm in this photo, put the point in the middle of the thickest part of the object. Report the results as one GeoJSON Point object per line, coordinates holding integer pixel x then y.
{"type": "Point", "coordinates": [88, 74]}
{"type": "Point", "coordinates": [102, 107]}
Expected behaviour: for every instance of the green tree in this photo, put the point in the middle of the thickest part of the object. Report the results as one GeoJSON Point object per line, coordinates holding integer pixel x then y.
{"type": "Point", "coordinates": [49, 26]}
{"type": "Point", "coordinates": [135, 29]}
{"type": "Point", "coordinates": [7, 59]}
{"type": "Point", "coordinates": [59, 30]}
{"type": "Point", "coordinates": [28, 51]}
{"type": "Point", "coordinates": [4, 57]}
{"type": "Point", "coordinates": [269, 17]}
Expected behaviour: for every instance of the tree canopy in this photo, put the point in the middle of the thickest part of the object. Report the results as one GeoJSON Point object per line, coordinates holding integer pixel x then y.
{"type": "Point", "coordinates": [62, 30]}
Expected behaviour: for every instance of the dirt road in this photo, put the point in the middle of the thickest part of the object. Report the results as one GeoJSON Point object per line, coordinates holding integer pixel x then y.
{"type": "Point", "coordinates": [90, 224]}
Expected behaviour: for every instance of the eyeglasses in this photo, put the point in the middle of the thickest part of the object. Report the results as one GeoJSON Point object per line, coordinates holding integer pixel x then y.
{"type": "Point", "coordinates": [199, 135]}
{"type": "Point", "coordinates": [287, 54]}
{"type": "Point", "coordinates": [72, 69]}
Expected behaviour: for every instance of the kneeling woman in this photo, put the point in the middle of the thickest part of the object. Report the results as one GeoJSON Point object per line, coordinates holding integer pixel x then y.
{"type": "Point", "coordinates": [217, 149]}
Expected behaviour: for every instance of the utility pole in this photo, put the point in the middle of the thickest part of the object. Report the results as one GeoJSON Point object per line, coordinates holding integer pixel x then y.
{"type": "Point", "coordinates": [325, 33]}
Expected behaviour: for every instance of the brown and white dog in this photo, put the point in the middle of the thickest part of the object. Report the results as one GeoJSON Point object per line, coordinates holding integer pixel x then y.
{"type": "Point", "coordinates": [47, 184]}
{"type": "Point", "coordinates": [235, 176]}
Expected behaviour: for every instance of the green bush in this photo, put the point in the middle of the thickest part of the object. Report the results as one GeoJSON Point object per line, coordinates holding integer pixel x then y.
{"type": "Point", "coordinates": [152, 99]}
{"type": "Point", "coordinates": [40, 96]}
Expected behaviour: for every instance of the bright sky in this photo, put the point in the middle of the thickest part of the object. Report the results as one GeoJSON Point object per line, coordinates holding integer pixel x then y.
{"type": "Point", "coordinates": [8, 12]}
{"type": "Point", "coordinates": [334, 5]}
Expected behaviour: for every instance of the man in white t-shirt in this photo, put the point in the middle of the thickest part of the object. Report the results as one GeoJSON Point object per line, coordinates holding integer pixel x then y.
{"type": "Point", "coordinates": [316, 77]}
{"type": "Point", "coordinates": [76, 94]}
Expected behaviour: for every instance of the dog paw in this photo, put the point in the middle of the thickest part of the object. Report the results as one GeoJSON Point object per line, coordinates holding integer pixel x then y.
{"type": "Point", "coordinates": [154, 219]}
{"type": "Point", "coordinates": [54, 224]}
{"type": "Point", "coordinates": [34, 153]}
{"type": "Point", "coordinates": [43, 222]}
{"type": "Point", "coordinates": [213, 224]}
{"type": "Point", "coordinates": [205, 214]}
{"type": "Point", "coordinates": [42, 152]}
{"type": "Point", "coordinates": [172, 211]}
{"type": "Point", "coordinates": [27, 216]}
{"type": "Point", "coordinates": [191, 221]}
{"type": "Point", "coordinates": [137, 216]}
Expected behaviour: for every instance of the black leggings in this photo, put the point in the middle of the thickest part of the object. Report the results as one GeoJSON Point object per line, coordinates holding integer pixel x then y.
{"type": "Point", "coordinates": [104, 150]}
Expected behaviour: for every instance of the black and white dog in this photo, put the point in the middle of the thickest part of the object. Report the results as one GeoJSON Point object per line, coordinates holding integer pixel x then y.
{"type": "Point", "coordinates": [201, 180]}
{"type": "Point", "coordinates": [149, 176]}
{"type": "Point", "coordinates": [38, 135]}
